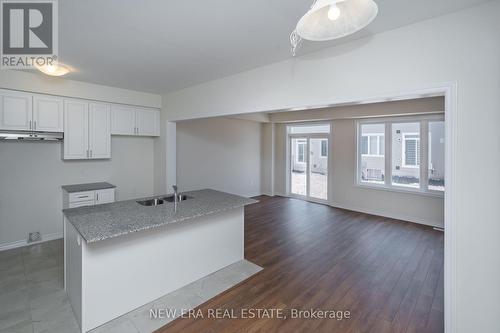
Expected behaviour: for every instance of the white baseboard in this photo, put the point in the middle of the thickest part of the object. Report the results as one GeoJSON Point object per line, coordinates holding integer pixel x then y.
{"type": "Point", "coordinates": [402, 217]}
{"type": "Point", "coordinates": [24, 242]}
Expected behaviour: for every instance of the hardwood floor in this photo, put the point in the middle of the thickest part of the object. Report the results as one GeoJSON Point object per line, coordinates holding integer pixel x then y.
{"type": "Point", "coordinates": [387, 273]}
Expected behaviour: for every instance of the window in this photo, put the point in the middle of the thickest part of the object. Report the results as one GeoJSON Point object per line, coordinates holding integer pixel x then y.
{"type": "Point", "coordinates": [411, 150]}
{"type": "Point", "coordinates": [406, 154]}
{"type": "Point", "coordinates": [372, 148]}
{"type": "Point", "coordinates": [324, 148]}
{"type": "Point", "coordinates": [301, 151]}
{"type": "Point", "coordinates": [373, 144]}
{"type": "Point", "coordinates": [406, 169]}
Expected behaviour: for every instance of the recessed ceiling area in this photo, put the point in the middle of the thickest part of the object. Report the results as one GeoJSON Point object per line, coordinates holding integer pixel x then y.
{"type": "Point", "coordinates": [162, 46]}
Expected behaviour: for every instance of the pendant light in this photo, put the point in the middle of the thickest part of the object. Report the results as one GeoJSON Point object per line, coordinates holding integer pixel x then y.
{"type": "Point", "coordinates": [332, 19]}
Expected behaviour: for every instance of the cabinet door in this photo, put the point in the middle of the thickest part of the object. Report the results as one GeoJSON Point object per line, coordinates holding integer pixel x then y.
{"type": "Point", "coordinates": [16, 112]}
{"type": "Point", "coordinates": [104, 196]}
{"type": "Point", "coordinates": [99, 131]}
{"type": "Point", "coordinates": [76, 130]}
{"type": "Point", "coordinates": [147, 122]}
{"type": "Point", "coordinates": [48, 114]}
{"type": "Point", "coordinates": [122, 120]}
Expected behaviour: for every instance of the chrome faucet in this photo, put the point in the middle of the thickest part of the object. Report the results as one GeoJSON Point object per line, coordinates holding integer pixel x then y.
{"type": "Point", "coordinates": [176, 197]}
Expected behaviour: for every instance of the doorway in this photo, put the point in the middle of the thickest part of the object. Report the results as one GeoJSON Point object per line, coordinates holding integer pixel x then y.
{"type": "Point", "coordinates": [308, 161]}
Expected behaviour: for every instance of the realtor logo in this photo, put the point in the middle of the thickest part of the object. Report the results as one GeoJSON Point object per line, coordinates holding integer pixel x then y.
{"type": "Point", "coordinates": [29, 33]}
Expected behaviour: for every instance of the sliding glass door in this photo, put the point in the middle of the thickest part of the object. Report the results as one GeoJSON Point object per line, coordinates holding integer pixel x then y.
{"type": "Point", "coordinates": [308, 162]}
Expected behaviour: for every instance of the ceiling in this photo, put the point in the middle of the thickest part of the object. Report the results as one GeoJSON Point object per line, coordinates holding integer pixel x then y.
{"type": "Point", "coordinates": [160, 46]}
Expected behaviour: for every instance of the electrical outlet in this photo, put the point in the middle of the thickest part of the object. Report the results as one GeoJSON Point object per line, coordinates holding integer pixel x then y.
{"type": "Point", "coordinates": [34, 237]}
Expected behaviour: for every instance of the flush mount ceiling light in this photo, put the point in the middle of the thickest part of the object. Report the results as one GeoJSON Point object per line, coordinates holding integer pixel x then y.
{"type": "Point", "coordinates": [57, 69]}
{"type": "Point", "coordinates": [332, 19]}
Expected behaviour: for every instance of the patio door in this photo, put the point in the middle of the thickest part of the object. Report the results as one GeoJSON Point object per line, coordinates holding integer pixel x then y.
{"type": "Point", "coordinates": [309, 167]}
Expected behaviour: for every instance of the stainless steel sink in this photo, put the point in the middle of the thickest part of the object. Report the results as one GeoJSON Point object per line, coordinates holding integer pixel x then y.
{"type": "Point", "coordinates": [181, 198]}
{"type": "Point", "coordinates": [151, 202]}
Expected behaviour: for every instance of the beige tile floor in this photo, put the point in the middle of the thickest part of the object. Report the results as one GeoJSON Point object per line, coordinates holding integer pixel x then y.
{"type": "Point", "coordinates": [32, 298]}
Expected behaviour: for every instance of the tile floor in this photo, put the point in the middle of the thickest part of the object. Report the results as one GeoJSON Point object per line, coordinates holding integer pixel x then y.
{"type": "Point", "coordinates": [32, 298]}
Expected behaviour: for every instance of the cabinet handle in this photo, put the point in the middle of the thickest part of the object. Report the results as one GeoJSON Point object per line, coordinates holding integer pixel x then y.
{"type": "Point", "coordinates": [29, 124]}
{"type": "Point", "coordinates": [34, 125]}
{"type": "Point", "coordinates": [97, 196]}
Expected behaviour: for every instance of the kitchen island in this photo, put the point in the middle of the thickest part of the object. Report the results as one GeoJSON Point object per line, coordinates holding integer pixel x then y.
{"type": "Point", "coordinates": [122, 255]}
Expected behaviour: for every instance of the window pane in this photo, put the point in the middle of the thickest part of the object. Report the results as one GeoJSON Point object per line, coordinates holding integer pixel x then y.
{"type": "Point", "coordinates": [436, 155]}
{"type": "Point", "coordinates": [372, 165]}
{"type": "Point", "coordinates": [303, 129]}
{"type": "Point", "coordinates": [324, 148]}
{"type": "Point", "coordinates": [298, 167]}
{"type": "Point", "coordinates": [364, 145]}
{"type": "Point", "coordinates": [381, 144]}
{"type": "Point", "coordinates": [318, 170]}
{"type": "Point", "coordinates": [406, 154]}
{"type": "Point", "coordinates": [373, 145]}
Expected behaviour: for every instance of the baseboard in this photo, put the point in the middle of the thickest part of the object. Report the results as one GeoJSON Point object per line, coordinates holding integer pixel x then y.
{"type": "Point", "coordinates": [24, 242]}
{"type": "Point", "coordinates": [402, 217]}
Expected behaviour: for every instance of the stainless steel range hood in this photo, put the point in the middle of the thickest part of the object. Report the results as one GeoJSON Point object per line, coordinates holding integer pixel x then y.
{"type": "Point", "coordinates": [31, 136]}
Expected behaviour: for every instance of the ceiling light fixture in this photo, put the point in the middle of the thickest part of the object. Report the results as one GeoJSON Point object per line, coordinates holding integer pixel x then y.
{"type": "Point", "coordinates": [57, 69]}
{"type": "Point", "coordinates": [332, 19]}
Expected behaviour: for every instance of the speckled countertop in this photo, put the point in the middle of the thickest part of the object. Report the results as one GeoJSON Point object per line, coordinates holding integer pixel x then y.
{"type": "Point", "coordinates": [87, 187]}
{"type": "Point", "coordinates": [97, 223]}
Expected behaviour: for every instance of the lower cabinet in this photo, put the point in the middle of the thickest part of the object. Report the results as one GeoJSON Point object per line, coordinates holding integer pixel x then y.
{"type": "Point", "coordinates": [88, 198]}
{"type": "Point", "coordinates": [87, 130]}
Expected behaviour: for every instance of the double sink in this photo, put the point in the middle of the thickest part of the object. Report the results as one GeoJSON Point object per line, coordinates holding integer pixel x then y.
{"type": "Point", "coordinates": [162, 200]}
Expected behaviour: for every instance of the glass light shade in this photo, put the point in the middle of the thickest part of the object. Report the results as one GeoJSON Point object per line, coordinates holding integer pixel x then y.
{"type": "Point", "coordinates": [315, 25]}
{"type": "Point", "coordinates": [57, 69]}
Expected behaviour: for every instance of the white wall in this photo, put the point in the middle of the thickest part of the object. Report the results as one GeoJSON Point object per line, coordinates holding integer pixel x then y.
{"type": "Point", "coordinates": [461, 47]}
{"type": "Point", "coordinates": [43, 84]}
{"type": "Point", "coordinates": [220, 153]}
{"type": "Point", "coordinates": [267, 159]}
{"type": "Point", "coordinates": [31, 175]}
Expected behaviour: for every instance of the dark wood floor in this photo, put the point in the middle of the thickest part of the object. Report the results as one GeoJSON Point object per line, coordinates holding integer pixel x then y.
{"type": "Point", "coordinates": [387, 273]}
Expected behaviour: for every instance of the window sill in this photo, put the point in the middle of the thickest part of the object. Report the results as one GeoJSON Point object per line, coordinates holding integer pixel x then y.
{"type": "Point", "coordinates": [434, 194]}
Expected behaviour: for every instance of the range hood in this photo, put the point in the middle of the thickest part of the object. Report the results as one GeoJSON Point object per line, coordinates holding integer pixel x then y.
{"type": "Point", "coordinates": [31, 136]}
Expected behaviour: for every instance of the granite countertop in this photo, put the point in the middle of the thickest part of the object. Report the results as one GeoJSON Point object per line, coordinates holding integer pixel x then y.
{"type": "Point", "coordinates": [97, 223]}
{"type": "Point", "coordinates": [87, 187]}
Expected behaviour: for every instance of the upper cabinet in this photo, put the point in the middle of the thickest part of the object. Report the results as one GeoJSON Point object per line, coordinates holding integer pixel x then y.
{"type": "Point", "coordinates": [87, 130]}
{"type": "Point", "coordinates": [147, 122]}
{"type": "Point", "coordinates": [48, 114]}
{"type": "Point", "coordinates": [28, 112]}
{"type": "Point", "coordinates": [16, 112]}
{"type": "Point", "coordinates": [128, 120]}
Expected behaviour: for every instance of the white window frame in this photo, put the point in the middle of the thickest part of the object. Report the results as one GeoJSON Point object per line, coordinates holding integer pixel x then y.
{"type": "Point", "coordinates": [418, 158]}
{"type": "Point", "coordinates": [423, 120]}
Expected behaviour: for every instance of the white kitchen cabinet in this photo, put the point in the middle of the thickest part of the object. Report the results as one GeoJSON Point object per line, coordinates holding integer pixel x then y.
{"type": "Point", "coordinates": [87, 130]}
{"type": "Point", "coordinates": [99, 131]}
{"type": "Point", "coordinates": [128, 120]}
{"type": "Point", "coordinates": [16, 111]}
{"type": "Point", "coordinates": [122, 120]}
{"type": "Point", "coordinates": [48, 114]}
{"type": "Point", "coordinates": [147, 122]}
{"type": "Point", "coordinates": [104, 196]}
{"type": "Point", "coordinates": [76, 130]}
{"type": "Point", "coordinates": [88, 198]}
